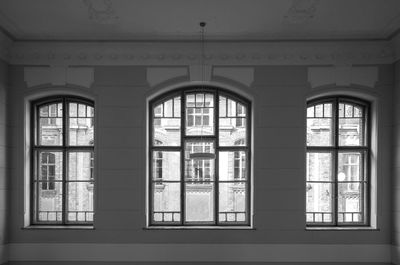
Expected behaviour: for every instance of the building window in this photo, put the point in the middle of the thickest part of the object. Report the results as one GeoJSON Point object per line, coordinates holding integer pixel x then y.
{"type": "Point", "coordinates": [62, 161]}
{"type": "Point", "coordinates": [338, 151]}
{"type": "Point", "coordinates": [200, 173]}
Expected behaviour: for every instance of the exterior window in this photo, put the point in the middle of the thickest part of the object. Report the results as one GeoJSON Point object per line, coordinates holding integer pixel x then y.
{"type": "Point", "coordinates": [338, 151]}
{"type": "Point", "coordinates": [63, 161]}
{"type": "Point", "coordinates": [200, 168]}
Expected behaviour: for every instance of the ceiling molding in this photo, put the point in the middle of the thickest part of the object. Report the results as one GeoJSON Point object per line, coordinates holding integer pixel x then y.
{"type": "Point", "coordinates": [186, 53]}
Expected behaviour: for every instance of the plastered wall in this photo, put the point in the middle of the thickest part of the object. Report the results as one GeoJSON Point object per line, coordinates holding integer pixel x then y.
{"type": "Point", "coordinates": [279, 95]}
{"type": "Point", "coordinates": [4, 173]}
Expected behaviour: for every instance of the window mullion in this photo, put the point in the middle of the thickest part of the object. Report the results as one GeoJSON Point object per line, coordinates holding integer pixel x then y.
{"type": "Point", "coordinates": [183, 132]}
{"type": "Point", "coordinates": [216, 163]}
{"type": "Point", "coordinates": [65, 161]}
{"type": "Point", "coordinates": [335, 157]}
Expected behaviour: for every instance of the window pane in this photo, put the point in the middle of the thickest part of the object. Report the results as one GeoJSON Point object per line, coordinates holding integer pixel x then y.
{"type": "Point", "coordinates": [79, 166]}
{"type": "Point", "coordinates": [80, 201]}
{"type": "Point", "coordinates": [319, 166]}
{"type": "Point", "coordinates": [232, 202]}
{"type": "Point", "coordinates": [49, 203]}
{"type": "Point", "coordinates": [232, 165]}
{"type": "Point", "coordinates": [81, 129]}
{"type": "Point", "coordinates": [351, 132]}
{"type": "Point", "coordinates": [199, 161]}
{"type": "Point", "coordinates": [350, 165]}
{"type": "Point", "coordinates": [166, 202]}
{"type": "Point", "coordinates": [199, 118]}
{"type": "Point", "coordinates": [350, 202]}
{"type": "Point", "coordinates": [50, 125]}
{"type": "Point", "coordinates": [166, 165]}
{"type": "Point", "coordinates": [319, 200]}
{"type": "Point", "coordinates": [199, 202]}
{"type": "Point", "coordinates": [167, 131]}
{"type": "Point", "coordinates": [319, 132]}
{"type": "Point", "coordinates": [50, 166]}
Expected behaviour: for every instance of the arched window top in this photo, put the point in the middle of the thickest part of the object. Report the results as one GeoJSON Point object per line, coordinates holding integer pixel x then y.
{"type": "Point", "coordinates": [199, 158]}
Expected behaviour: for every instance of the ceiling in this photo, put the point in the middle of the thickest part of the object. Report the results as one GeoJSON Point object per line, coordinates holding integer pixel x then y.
{"type": "Point", "coordinates": [131, 20]}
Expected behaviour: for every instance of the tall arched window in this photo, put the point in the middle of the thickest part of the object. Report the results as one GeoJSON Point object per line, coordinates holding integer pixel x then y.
{"type": "Point", "coordinates": [199, 159]}
{"type": "Point", "coordinates": [62, 151]}
{"type": "Point", "coordinates": [338, 155]}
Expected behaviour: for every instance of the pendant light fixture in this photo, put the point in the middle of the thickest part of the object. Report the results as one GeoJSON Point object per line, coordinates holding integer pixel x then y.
{"type": "Point", "coordinates": [202, 155]}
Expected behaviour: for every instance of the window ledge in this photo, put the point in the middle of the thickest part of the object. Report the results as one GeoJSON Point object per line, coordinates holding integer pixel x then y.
{"type": "Point", "coordinates": [59, 227]}
{"type": "Point", "coordinates": [350, 228]}
{"type": "Point", "coordinates": [199, 228]}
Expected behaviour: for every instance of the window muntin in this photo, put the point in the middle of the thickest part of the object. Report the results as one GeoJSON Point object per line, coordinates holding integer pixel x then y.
{"type": "Point", "coordinates": [337, 184]}
{"type": "Point", "coordinates": [200, 175]}
{"type": "Point", "coordinates": [63, 161]}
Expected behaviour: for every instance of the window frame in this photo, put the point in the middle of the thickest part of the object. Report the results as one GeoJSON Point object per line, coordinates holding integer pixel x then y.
{"type": "Point", "coordinates": [64, 148]}
{"type": "Point", "coordinates": [335, 149]}
{"type": "Point", "coordinates": [214, 138]}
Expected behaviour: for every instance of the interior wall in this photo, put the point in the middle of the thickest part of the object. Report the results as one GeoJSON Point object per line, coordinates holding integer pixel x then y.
{"type": "Point", "coordinates": [280, 94]}
{"type": "Point", "coordinates": [396, 170]}
{"type": "Point", "coordinates": [4, 174]}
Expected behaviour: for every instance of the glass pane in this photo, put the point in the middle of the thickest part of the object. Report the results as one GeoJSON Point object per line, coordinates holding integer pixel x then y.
{"type": "Point", "coordinates": [166, 165]}
{"type": "Point", "coordinates": [50, 126]}
{"type": "Point", "coordinates": [177, 107]}
{"type": "Point", "coordinates": [319, 166]}
{"type": "Point", "coordinates": [319, 111]}
{"type": "Point", "coordinates": [49, 202]}
{"type": "Point", "coordinates": [319, 200]}
{"type": "Point", "coordinates": [81, 110]}
{"type": "Point", "coordinates": [327, 110]}
{"type": "Point", "coordinates": [209, 100]}
{"type": "Point", "coordinates": [90, 111]}
{"type": "Point", "coordinates": [80, 201]}
{"type": "Point", "coordinates": [199, 121]}
{"type": "Point", "coordinates": [81, 131]}
{"type": "Point", "coordinates": [319, 132]}
{"type": "Point", "coordinates": [232, 165]}
{"type": "Point", "coordinates": [232, 131]}
{"type": "Point", "coordinates": [350, 202]}
{"type": "Point", "coordinates": [73, 110]}
{"type": "Point", "coordinates": [80, 166]}
{"type": "Point", "coordinates": [350, 166]}
{"type": "Point", "coordinates": [50, 166]}
{"type": "Point", "coordinates": [351, 132]}
{"type": "Point", "coordinates": [222, 107]}
{"type": "Point", "coordinates": [167, 131]}
{"type": "Point", "coordinates": [166, 202]}
{"type": "Point", "coordinates": [232, 202]}
{"type": "Point", "coordinates": [199, 202]}
{"type": "Point", "coordinates": [199, 161]}
{"type": "Point", "coordinates": [311, 112]}
{"type": "Point", "coordinates": [168, 111]}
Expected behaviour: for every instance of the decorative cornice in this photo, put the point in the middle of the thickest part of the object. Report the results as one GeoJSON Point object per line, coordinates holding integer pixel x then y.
{"type": "Point", "coordinates": [188, 53]}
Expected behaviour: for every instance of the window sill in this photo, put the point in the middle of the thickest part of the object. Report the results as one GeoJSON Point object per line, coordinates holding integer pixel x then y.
{"type": "Point", "coordinates": [59, 227]}
{"type": "Point", "coordinates": [199, 228]}
{"type": "Point", "coordinates": [350, 228]}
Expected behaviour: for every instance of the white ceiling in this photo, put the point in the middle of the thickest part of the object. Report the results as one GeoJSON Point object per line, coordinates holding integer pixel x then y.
{"type": "Point", "coordinates": [179, 19]}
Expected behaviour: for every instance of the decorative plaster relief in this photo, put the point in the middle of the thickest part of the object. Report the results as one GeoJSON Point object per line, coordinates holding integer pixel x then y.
{"type": "Point", "coordinates": [342, 76]}
{"type": "Point", "coordinates": [301, 12]}
{"type": "Point", "coordinates": [200, 72]}
{"type": "Point", "coordinates": [101, 11]}
{"type": "Point", "coordinates": [58, 76]}
{"type": "Point", "coordinates": [244, 75]}
{"type": "Point", "coordinates": [157, 75]}
{"type": "Point", "coordinates": [218, 53]}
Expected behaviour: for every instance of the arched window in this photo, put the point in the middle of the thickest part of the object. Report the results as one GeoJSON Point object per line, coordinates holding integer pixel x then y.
{"type": "Point", "coordinates": [200, 171]}
{"type": "Point", "coordinates": [338, 155]}
{"type": "Point", "coordinates": [62, 161]}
